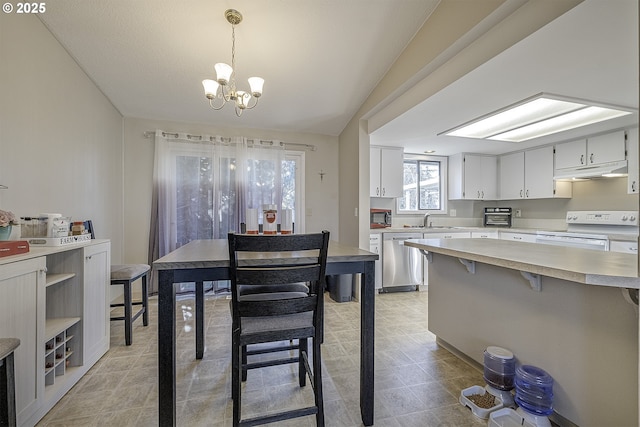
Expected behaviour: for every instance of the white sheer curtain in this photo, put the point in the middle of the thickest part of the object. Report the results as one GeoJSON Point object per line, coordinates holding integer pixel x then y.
{"type": "Point", "coordinates": [202, 188]}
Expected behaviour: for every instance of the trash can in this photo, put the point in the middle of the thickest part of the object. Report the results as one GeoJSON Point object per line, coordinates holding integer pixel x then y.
{"type": "Point", "coordinates": [340, 287]}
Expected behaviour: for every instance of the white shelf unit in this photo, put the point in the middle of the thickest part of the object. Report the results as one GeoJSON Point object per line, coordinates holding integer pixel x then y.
{"type": "Point", "coordinates": [61, 347]}
{"type": "Point", "coordinates": [56, 301]}
{"type": "Point", "coordinates": [63, 325]}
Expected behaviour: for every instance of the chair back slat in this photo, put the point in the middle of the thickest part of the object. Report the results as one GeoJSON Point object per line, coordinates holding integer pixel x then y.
{"type": "Point", "coordinates": [278, 275]}
{"type": "Point", "coordinates": [278, 242]}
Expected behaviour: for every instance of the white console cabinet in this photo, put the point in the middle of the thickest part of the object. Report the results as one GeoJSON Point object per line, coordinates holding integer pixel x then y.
{"type": "Point", "coordinates": [56, 301]}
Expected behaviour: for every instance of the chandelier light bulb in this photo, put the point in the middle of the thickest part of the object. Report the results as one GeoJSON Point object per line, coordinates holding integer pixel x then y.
{"type": "Point", "coordinates": [256, 84]}
{"type": "Point", "coordinates": [243, 99]}
{"type": "Point", "coordinates": [223, 73]}
{"type": "Point", "coordinates": [210, 88]}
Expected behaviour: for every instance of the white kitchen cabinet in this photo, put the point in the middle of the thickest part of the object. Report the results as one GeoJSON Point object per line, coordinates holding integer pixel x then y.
{"type": "Point", "coordinates": [529, 175]}
{"type": "Point", "coordinates": [386, 171]}
{"type": "Point", "coordinates": [518, 237]}
{"type": "Point", "coordinates": [22, 316]}
{"type": "Point", "coordinates": [633, 181]}
{"type": "Point", "coordinates": [375, 246]}
{"type": "Point", "coordinates": [485, 234]}
{"type": "Point", "coordinates": [591, 151]}
{"type": "Point", "coordinates": [97, 279]}
{"type": "Point", "coordinates": [473, 177]}
{"type": "Point", "coordinates": [56, 301]}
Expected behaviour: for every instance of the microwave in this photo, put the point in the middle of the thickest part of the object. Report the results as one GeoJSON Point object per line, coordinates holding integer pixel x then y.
{"type": "Point", "coordinates": [497, 217]}
{"type": "Point", "coordinates": [380, 218]}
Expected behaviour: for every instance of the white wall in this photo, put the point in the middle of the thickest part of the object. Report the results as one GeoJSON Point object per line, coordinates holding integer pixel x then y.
{"type": "Point", "coordinates": [60, 137]}
{"type": "Point", "coordinates": [321, 204]}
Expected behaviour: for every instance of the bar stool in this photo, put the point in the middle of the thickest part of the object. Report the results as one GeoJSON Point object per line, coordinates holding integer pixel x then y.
{"type": "Point", "coordinates": [7, 382]}
{"type": "Point", "coordinates": [125, 275]}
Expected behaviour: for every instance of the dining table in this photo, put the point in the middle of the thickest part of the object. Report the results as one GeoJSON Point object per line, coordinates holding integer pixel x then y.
{"type": "Point", "coordinates": [208, 260]}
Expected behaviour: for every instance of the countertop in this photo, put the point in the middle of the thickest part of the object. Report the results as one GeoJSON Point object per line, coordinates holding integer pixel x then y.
{"type": "Point", "coordinates": [38, 251]}
{"type": "Point", "coordinates": [577, 265]}
{"type": "Point", "coordinates": [462, 229]}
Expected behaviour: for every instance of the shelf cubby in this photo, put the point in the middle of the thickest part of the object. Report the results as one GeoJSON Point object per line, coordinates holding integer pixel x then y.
{"type": "Point", "coordinates": [60, 347]}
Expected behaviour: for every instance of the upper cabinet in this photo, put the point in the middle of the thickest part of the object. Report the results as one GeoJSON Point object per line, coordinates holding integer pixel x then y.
{"type": "Point", "coordinates": [386, 166]}
{"type": "Point", "coordinates": [529, 175]}
{"type": "Point", "coordinates": [473, 177]}
{"type": "Point", "coordinates": [591, 151]}
{"type": "Point", "coordinates": [632, 161]}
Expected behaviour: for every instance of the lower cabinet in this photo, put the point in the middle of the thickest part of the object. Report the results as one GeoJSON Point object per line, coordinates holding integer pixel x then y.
{"type": "Point", "coordinates": [22, 317]}
{"type": "Point", "coordinates": [97, 271]}
{"type": "Point", "coordinates": [55, 300]}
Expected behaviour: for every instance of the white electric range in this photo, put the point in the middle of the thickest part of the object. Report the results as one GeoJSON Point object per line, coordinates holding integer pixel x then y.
{"type": "Point", "coordinates": [594, 230]}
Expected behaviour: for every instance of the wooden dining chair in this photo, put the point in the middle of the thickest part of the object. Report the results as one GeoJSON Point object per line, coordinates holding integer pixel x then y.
{"type": "Point", "coordinates": [278, 316]}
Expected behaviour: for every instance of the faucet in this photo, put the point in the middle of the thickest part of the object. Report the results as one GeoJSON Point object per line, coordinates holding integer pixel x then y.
{"type": "Point", "coordinates": [425, 220]}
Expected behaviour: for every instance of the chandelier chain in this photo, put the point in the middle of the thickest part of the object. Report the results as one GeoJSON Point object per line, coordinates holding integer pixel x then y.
{"type": "Point", "coordinates": [233, 57]}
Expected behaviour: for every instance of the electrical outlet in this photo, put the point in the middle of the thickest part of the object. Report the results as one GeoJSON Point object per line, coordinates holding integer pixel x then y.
{"type": "Point", "coordinates": [452, 212]}
{"type": "Point", "coordinates": [518, 213]}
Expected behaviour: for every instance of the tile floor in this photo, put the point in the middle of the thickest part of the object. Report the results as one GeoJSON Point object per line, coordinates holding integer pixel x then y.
{"type": "Point", "coordinates": [417, 381]}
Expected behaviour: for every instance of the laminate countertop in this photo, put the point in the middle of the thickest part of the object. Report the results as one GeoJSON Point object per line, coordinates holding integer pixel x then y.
{"type": "Point", "coordinates": [577, 265]}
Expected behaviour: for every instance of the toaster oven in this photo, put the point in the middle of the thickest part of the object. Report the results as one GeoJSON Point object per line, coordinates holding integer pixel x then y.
{"type": "Point", "coordinates": [497, 217]}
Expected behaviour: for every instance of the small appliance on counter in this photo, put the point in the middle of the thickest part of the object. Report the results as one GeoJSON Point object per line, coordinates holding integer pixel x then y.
{"type": "Point", "coordinates": [380, 218]}
{"type": "Point", "coordinates": [497, 217]}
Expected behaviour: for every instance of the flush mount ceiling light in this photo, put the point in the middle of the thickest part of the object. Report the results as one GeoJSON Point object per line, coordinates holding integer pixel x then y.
{"type": "Point", "coordinates": [539, 115]}
{"type": "Point", "coordinates": [223, 89]}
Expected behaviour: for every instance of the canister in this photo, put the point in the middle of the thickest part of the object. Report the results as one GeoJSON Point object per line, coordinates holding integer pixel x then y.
{"type": "Point", "coordinates": [286, 221]}
{"type": "Point", "coordinates": [269, 219]}
{"type": "Point", "coordinates": [252, 221]}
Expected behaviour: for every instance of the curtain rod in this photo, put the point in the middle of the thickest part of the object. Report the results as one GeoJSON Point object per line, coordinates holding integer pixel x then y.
{"type": "Point", "coordinates": [150, 134]}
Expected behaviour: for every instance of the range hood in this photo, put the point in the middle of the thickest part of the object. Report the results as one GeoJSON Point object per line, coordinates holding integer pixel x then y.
{"type": "Point", "coordinates": [602, 170]}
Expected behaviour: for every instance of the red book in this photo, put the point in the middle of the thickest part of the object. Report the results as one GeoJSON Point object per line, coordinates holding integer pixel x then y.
{"type": "Point", "coordinates": [13, 247]}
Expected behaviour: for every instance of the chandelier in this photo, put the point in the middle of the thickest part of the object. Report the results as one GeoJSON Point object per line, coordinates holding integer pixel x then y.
{"type": "Point", "coordinates": [223, 89]}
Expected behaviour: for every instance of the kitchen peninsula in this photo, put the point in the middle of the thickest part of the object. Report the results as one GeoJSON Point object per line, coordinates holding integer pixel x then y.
{"type": "Point", "coordinates": [568, 311]}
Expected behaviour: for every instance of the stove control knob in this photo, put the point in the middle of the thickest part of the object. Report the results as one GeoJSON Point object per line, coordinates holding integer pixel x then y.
{"type": "Point", "coordinates": [632, 218]}
{"type": "Point", "coordinates": [624, 217]}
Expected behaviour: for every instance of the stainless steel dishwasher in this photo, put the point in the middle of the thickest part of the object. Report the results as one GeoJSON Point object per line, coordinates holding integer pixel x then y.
{"type": "Point", "coordinates": [401, 265]}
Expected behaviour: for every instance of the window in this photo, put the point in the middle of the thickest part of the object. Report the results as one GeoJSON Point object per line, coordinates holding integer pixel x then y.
{"type": "Point", "coordinates": [207, 194]}
{"type": "Point", "coordinates": [424, 185]}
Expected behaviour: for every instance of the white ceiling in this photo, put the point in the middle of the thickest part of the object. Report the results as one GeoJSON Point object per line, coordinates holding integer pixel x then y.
{"type": "Point", "coordinates": [320, 58]}
{"type": "Point", "coordinates": [590, 52]}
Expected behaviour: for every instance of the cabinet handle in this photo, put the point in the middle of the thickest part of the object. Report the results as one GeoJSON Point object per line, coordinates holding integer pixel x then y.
{"type": "Point", "coordinates": [383, 190]}
{"type": "Point", "coordinates": [591, 158]}
{"type": "Point", "coordinates": [582, 159]}
{"type": "Point", "coordinates": [521, 193]}
{"type": "Point", "coordinates": [517, 238]}
{"type": "Point", "coordinates": [478, 196]}
{"type": "Point", "coordinates": [44, 270]}
{"type": "Point", "coordinates": [483, 194]}
{"type": "Point", "coordinates": [527, 192]}
{"type": "Point", "coordinates": [634, 186]}
{"type": "Point", "coordinates": [377, 191]}
{"type": "Point", "coordinates": [88, 257]}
